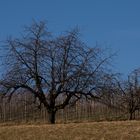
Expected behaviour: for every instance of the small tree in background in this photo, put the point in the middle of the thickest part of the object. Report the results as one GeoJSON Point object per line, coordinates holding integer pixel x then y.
{"type": "Point", "coordinates": [52, 68]}
{"type": "Point", "coordinates": [130, 93]}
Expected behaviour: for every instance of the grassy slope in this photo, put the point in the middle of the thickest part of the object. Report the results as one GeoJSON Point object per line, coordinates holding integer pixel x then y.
{"type": "Point", "coordinates": [124, 130]}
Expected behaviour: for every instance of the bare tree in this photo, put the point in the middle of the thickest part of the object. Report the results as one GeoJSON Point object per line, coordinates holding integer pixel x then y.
{"type": "Point", "coordinates": [110, 90]}
{"type": "Point", "coordinates": [52, 68]}
{"type": "Point", "coordinates": [130, 93]}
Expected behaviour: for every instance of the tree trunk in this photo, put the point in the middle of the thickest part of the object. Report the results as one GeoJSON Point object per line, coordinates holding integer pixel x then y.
{"type": "Point", "coordinates": [131, 116]}
{"type": "Point", "coordinates": [51, 117]}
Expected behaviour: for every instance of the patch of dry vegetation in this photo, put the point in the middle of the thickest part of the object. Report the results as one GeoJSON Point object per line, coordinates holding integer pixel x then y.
{"type": "Point", "coordinates": [123, 130]}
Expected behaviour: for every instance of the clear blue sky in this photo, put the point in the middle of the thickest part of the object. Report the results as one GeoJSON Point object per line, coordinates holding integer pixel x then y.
{"type": "Point", "coordinates": [115, 23]}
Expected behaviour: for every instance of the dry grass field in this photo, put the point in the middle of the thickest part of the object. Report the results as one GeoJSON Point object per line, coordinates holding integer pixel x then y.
{"type": "Point", "coordinates": [121, 130]}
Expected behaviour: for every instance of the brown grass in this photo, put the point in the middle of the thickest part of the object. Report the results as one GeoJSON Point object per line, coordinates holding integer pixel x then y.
{"type": "Point", "coordinates": [121, 130]}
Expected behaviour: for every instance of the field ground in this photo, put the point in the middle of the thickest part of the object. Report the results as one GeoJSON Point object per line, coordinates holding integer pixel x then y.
{"type": "Point", "coordinates": [121, 130]}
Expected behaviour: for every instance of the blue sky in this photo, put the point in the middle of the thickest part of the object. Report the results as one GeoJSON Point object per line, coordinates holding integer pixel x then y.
{"type": "Point", "coordinates": [113, 23]}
